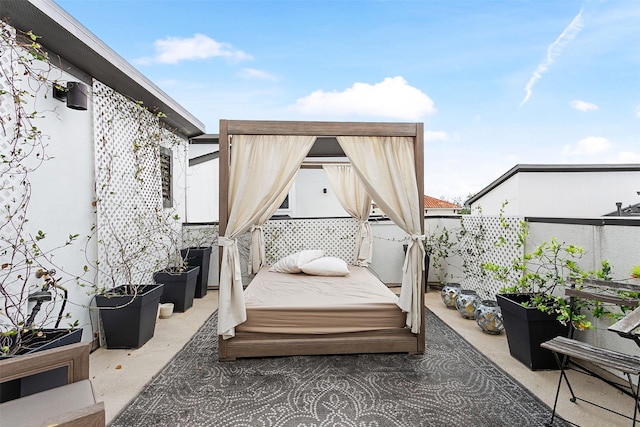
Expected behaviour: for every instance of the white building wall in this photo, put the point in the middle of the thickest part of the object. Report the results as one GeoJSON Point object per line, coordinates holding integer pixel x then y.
{"type": "Point", "coordinates": [62, 196]}
{"type": "Point", "coordinates": [577, 194]}
{"type": "Point", "coordinates": [203, 192]}
{"type": "Point", "coordinates": [310, 200]}
{"type": "Point", "coordinates": [562, 194]}
{"type": "Point", "coordinates": [491, 202]}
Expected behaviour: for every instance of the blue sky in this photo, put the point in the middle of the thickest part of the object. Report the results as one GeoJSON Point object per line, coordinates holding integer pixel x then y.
{"type": "Point", "coordinates": [496, 83]}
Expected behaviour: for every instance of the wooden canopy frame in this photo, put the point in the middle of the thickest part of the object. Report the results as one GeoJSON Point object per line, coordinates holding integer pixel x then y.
{"type": "Point", "coordinates": [245, 344]}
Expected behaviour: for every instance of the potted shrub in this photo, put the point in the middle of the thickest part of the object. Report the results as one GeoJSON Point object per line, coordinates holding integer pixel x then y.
{"type": "Point", "coordinates": [179, 286]}
{"type": "Point", "coordinates": [125, 294]}
{"type": "Point", "coordinates": [179, 278]}
{"type": "Point", "coordinates": [32, 299]}
{"type": "Point", "coordinates": [534, 309]}
{"type": "Point", "coordinates": [129, 314]}
{"type": "Point", "coordinates": [39, 330]}
{"type": "Point", "coordinates": [199, 256]}
{"type": "Point", "coordinates": [197, 248]}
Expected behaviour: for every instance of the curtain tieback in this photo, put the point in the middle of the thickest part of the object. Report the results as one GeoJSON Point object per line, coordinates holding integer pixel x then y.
{"type": "Point", "coordinates": [225, 241]}
{"type": "Point", "coordinates": [413, 239]}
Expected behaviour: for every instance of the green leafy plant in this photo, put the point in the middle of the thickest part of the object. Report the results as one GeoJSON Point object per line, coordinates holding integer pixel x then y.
{"type": "Point", "coordinates": [136, 234]}
{"type": "Point", "coordinates": [27, 255]}
{"type": "Point", "coordinates": [543, 275]}
{"type": "Point", "coordinates": [440, 247]}
{"type": "Point", "coordinates": [635, 272]}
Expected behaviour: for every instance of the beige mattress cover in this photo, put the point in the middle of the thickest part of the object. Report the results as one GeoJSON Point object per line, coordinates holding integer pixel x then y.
{"type": "Point", "coordinates": [303, 304]}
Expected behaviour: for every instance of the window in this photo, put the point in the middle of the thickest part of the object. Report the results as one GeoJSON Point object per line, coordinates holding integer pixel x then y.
{"type": "Point", "coordinates": [286, 208]}
{"type": "Point", "coordinates": [166, 172]}
{"type": "Point", "coordinates": [285, 203]}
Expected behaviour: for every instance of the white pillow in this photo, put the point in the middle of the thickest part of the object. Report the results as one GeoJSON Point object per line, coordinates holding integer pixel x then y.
{"type": "Point", "coordinates": [326, 266]}
{"type": "Point", "coordinates": [293, 263]}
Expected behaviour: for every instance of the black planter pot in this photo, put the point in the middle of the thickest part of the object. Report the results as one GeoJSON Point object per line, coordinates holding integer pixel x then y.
{"type": "Point", "coordinates": [179, 287]}
{"type": "Point", "coordinates": [133, 323]}
{"type": "Point", "coordinates": [50, 338]}
{"type": "Point", "coordinates": [199, 257]}
{"type": "Point", "coordinates": [526, 329]}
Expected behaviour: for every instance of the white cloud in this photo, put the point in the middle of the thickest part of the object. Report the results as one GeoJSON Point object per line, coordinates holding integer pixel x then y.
{"type": "Point", "coordinates": [393, 97]}
{"type": "Point", "coordinates": [628, 157]}
{"type": "Point", "coordinates": [583, 106]}
{"type": "Point", "coordinates": [590, 145]}
{"type": "Point", "coordinates": [252, 73]}
{"type": "Point", "coordinates": [638, 111]}
{"type": "Point", "coordinates": [553, 51]}
{"type": "Point", "coordinates": [436, 135]}
{"type": "Point", "coordinates": [175, 49]}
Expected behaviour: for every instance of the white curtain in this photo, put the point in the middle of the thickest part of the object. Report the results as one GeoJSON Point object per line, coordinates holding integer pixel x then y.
{"type": "Point", "coordinates": [356, 201]}
{"type": "Point", "coordinates": [257, 254]}
{"type": "Point", "coordinates": [385, 166]}
{"type": "Point", "coordinates": [261, 169]}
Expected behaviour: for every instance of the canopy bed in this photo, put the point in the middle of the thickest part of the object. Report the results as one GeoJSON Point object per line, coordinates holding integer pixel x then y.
{"type": "Point", "coordinates": [350, 312]}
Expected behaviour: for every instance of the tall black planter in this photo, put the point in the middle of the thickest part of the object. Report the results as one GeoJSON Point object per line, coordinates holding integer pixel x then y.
{"type": "Point", "coordinates": [179, 287]}
{"type": "Point", "coordinates": [133, 323]}
{"type": "Point", "coordinates": [199, 257]}
{"type": "Point", "coordinates": [526, 329]}
{"type": "Point", "coordinates": [50, 338]}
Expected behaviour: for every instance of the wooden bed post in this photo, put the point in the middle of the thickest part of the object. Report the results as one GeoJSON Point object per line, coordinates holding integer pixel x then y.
{"type": "Point", "coordinates": [419, 166]}
{"type": "Point", "coordinates": [223, 208]}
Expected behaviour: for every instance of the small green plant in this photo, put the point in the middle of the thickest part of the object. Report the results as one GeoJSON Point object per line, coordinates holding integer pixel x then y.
{"type": "Point", "coordinates": [439, 246]}
{"type": "Point", "coordinates": [635, 271]}
{"type": "Point", "coordinates": [545, 271]}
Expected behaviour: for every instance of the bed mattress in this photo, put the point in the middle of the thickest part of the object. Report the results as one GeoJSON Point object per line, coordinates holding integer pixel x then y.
{"type": "Point", "coordinates": [303, 304]}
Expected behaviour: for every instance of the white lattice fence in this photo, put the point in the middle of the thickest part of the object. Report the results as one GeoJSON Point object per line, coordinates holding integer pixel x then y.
{"type": "Point", "coordinates": [12, 194]}
{"type": "Point", "coordinates": [336, 236]}
{"type": "Point", "coordinates": [488, 239]}
{"type": "Point", "coordinates": [128, 188]}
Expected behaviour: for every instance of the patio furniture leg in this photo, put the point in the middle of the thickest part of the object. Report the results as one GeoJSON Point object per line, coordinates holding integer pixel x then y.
{"type": "Point", "coordinates": [634, 392]}
{"type": "Point", "coordinates": [562, 365]}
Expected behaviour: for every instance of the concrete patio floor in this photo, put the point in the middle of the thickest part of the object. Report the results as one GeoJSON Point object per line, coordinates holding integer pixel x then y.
{"type": "Point", "coordinates": [119, 375]}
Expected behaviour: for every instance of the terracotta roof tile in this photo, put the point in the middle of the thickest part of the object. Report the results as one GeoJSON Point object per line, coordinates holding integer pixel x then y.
{"type": "Point", "coordinates": [432, 202]}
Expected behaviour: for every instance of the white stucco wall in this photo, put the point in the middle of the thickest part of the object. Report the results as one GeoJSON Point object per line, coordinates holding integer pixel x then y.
{"type": "Point", "coordinates": [310, 201]}
{"type": "Point", "coordinates": [491, 202]}
{"type": "Point", "coordinates": [577, 194]}
{"type": "Point", "coordinates": [563, 194]}
{"type": "Point", "coordinates": [202, 192]}
{"type": "Point", "coordinates": [62, 196]}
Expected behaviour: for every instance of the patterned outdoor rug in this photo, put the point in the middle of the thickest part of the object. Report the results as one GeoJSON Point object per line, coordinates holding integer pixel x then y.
{"type": "Point", "coordinates": [452, 384]}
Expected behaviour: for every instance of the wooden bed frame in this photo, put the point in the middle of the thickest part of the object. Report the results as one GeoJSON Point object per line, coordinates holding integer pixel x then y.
{"type": "Point", "coordinates": [246, 344]}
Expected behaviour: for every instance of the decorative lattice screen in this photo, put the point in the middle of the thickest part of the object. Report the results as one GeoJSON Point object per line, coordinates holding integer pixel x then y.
{"type": "Point", "coordinates": [12, 194]}
{"type": "Point", "coordinates": [336, 236]}
{"type": "Point", "coordinates": [488, 239]}
{"type": "Point", "coordinates": [128, 188]}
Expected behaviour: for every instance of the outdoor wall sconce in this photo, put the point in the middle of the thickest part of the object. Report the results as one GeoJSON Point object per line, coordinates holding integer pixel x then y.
{"type": "Point", "coordinates": [75, 94]}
